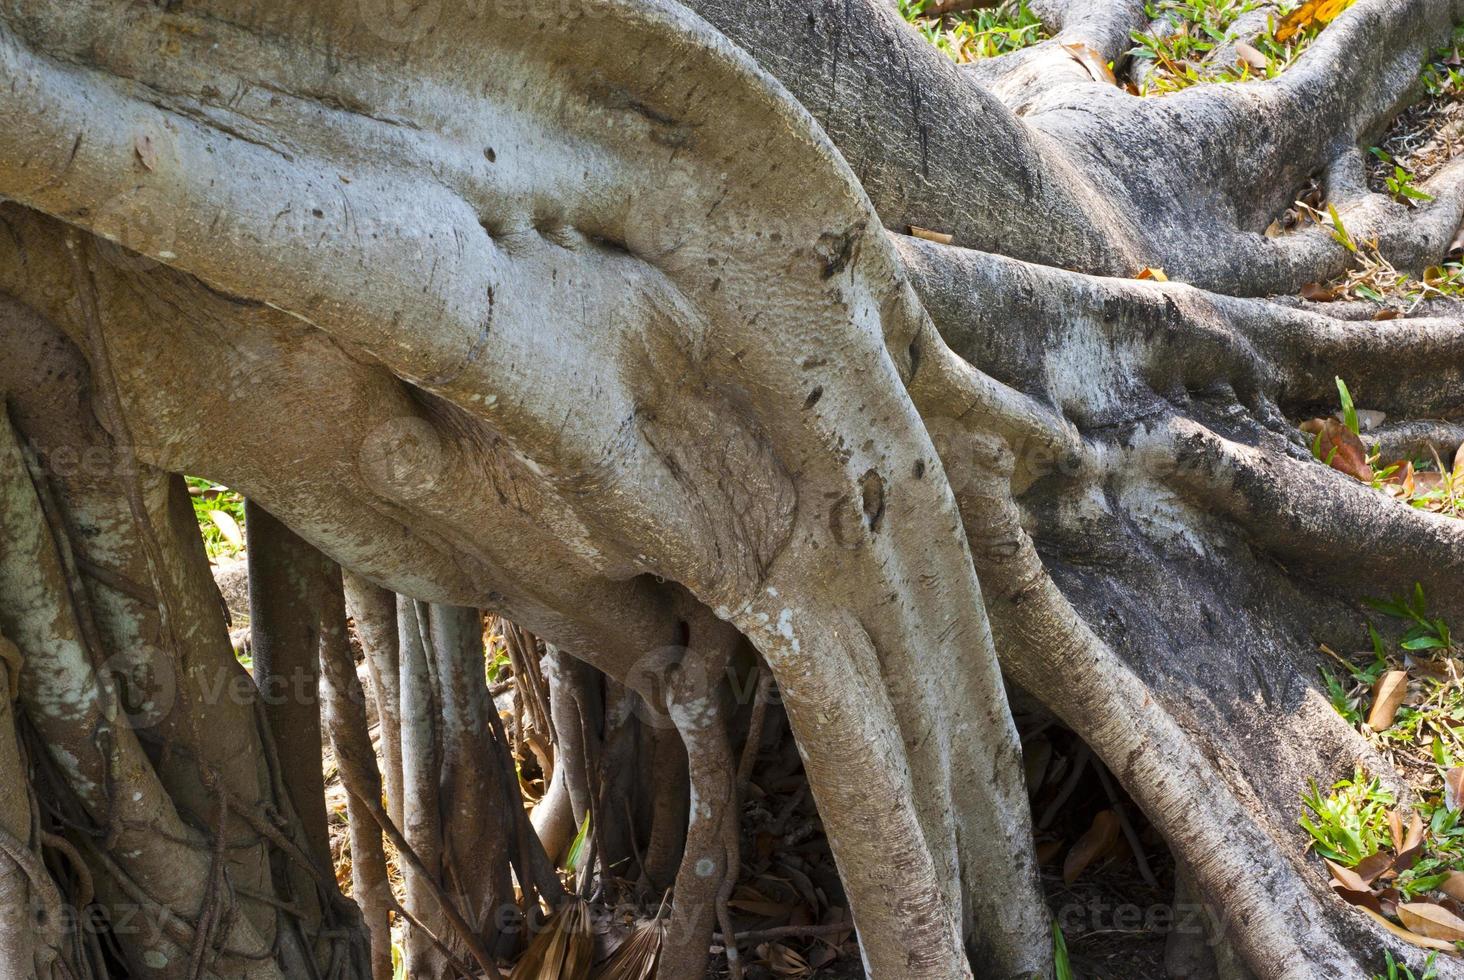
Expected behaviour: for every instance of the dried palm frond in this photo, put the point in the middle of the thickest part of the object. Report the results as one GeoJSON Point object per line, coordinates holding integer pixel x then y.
{"type": "Point", "coordinates": [563, 951]}
{"type": "Point", "coordinates": [637, 957]}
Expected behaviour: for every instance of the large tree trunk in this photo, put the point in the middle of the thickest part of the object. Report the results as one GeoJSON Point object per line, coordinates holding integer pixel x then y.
{"type": "Point", "coordinates": [603, 320]}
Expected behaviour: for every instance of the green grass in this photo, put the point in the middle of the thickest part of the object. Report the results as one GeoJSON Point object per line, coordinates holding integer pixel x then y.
{"type": "Point", "coordinates": [1183, 56]}
{"type": "Point", "coordinates": [1351, 822]}
{"type": "Point", "coordinates": [221, 539]}
{"type": "Point", "coordinates": [976, 34]}
{"type": "Point", "coordinates": [1400, 971]}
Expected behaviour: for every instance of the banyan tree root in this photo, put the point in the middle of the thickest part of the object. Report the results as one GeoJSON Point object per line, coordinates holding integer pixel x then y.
{"type": "Point", "coordinates": [708, 383]}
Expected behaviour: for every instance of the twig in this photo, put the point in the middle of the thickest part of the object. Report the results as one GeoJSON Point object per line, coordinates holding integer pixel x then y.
{"type": "Point", "coordinates": [1128, 828]}
{"type": "Point", "coordinates": [407, 854]}
{"type": "Point", "coordinates": [1080, 762]}
{"type": "Point", "coordinates": [790, 932]}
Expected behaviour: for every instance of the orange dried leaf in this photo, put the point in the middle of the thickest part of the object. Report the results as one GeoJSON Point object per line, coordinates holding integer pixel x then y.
{"type": "Point", "coordinates": [1095, 842]}
{"type": "Point", "coordinates": [1247, 55]}
{"type": "Point", "coordinates": [1433, 921]}
{"type": "Point", "coordinates": [1092, 61]}
{"type": "Point", "coordinates": [1388, 695]}
{"type": "Point", "coordinates": [1340, 448]}
{"type": "Point", "coordinates": [1152, 272]}
{"type": "Point", "coordinates": [1409, 937]}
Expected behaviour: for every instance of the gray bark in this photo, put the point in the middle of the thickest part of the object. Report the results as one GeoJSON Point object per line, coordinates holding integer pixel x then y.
{"type": "Point", "coordinates": [603, 321]}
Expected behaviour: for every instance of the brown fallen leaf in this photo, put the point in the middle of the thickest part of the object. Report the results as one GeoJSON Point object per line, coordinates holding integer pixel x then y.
{"type": "Point", "coordinates": [1346, 877]}
{"type": "Point", "coordinates": [1247, 55]}
{"type": "Point", "coordinates": [563, 951]}
{"type": "Point", "coordinates": [939, 237]}
{"type": "Point", "coordinates": [1097, 840]}
{"type": "Point", "coordinates": [1412, 848]}
{"type": "Point", "coordinates": [1152, 272]}
{"type": "Point", "coordinates": [1454, 787]}
{"type": "Point", "coordinates": [1369, 869]}
{"type": "Point", "coordinates": [1403, 477]}
{"type": "Point", "coordinates": [1092, 61]}
{"type": "Point", "coordinates": [1395, 828]}
{"type": "Point", "coordinates": [1387, 313]}
{"type": "Point", "coordinates": [1453, 886]}
{"type": "Point", "coordinates": [782, 961]}
{"type": "Point", "coordinates": [1364, 899]}
{"type": "Point", "coordinates": [1340, 448]}
{"type": "Point", "coordinates": [1409, 937]}
{"type": "Point", "coordinates": [636, 958]}
{"type": "Point", "coordinates": [1317, 293]}
{"type": "Point", "coordinates": [1433, 921]}
{"type": "Point", "coordinates": [1388, 695]}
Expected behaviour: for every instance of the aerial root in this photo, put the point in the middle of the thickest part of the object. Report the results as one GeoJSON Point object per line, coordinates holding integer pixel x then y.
{"type": "Point", "coordinates": [709, 864]}
{"type": "Point", "coordinates": [1303, 511]}
{"type": "Point", "coordinates": [1053, 654]}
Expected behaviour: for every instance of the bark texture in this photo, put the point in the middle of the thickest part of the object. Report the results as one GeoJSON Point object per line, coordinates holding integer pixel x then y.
{"type": "Point", "coordinates": [603, 320]}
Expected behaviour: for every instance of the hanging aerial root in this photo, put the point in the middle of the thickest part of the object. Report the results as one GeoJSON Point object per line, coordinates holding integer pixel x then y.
{"type": "Point", "coordinates": [1051, 652]}
{"type": "Point", "coordinates": [695, 692]}
{"type": "Point", "coordinates": [363, 782]}
{"type": "Point", "coordinates": [343, 710]}
{"type": "Point", "coordinates": [72, 706]}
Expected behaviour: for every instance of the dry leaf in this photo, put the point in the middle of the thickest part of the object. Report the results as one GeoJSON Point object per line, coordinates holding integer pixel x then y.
{"type": "Point", "coordinates": [1387, 313]}
{"type": "Point", "coordinates": [784, 962]}
{"type": "Point", "coordinates": [1152, 272]}
{"type": "Point", "coordinates": [637, 957]}
{"type": "Point", "coordinates": [1453, 886]}
{"type": "Point", "coordinates": [1093, 62]}
{"type": "Point", "coordinates": [1395, 827]}
{"type": "Point", "coordinates": [1317, 293]}
{"type": "Point", "coordinates": [1308, 14]}
{"type": "Point", "coordinates": [228, 527]}
{"type": "Point", "coordinates": [1340, 448]}
{"type": "Point", "coordinates": [1388, 695]}
{"type": "Point", "coordinates": [563, 951]}
{"type": "Point", "coordinates": [1454, 787]}
{"type": "Point", "coordinates": [1247, 55]}
{"type": "Point", "coordinates": [1434, 921]}
{"type": "Point", "coordinates": [939, 237]}
{"type": "Point", "coordinates": [1346, 877]}
{"type": "Point", "coordinates": [1409, 937]}
{"type": "Point", "coordinates": [1369, 868]}
{"type": "Point", "coordinates": [1095, 841]}
{"type": "Point", "coordinates": [1412, 844]}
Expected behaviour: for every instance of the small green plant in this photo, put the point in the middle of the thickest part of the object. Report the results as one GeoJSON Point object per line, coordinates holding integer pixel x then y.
{"type": "Point", "coordinates": [1400, 971]}
{"type": "Point", "coordinates": [577, 847]}
{"type": "Point", "coordinates": [1400, 184]}
{"type": "Point", "coordinates": [1349, 410]}
{"type": "Point", "coordinates": [976, 34]}
{"type": "Point", "coordinates": [1339, 230]}
{"type": "Point", "coordinates": [1063, 967]}
{"type": "Point", "coordinates": [220, 515]}
{"type": "Point", "coordinates": [1423, 633]}
{"type": "Point", "coordinates": [1350, 823]}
